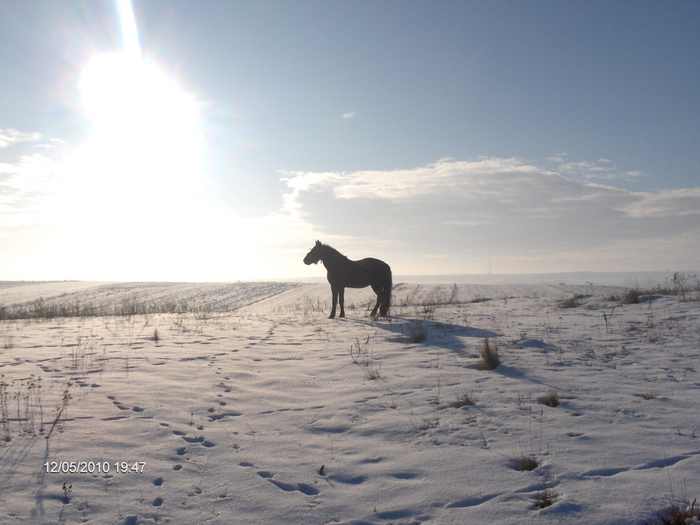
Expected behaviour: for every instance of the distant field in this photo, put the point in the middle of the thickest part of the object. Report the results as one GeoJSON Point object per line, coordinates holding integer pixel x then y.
{"type": "Point", "coordinates": [21, 300]}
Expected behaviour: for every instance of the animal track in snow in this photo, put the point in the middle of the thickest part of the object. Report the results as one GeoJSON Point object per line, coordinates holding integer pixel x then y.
{"type": "Point", "coordinates": [471, 501]}
{"type": "Point", "coordinates": [657, 463]}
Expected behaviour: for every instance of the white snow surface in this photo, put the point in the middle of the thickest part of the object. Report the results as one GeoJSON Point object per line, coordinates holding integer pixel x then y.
{"type": "Point", "coordinates": [272, 413]}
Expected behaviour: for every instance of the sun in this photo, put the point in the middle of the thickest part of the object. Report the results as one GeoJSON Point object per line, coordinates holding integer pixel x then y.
{"type": "Point", "coordinates": [143, 148]}
{"type": "Point", "coordinates": [141, 121]}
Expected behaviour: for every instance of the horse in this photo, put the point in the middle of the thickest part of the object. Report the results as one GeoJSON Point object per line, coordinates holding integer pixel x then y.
{"type": "Point", "coordinates": [342, 273]}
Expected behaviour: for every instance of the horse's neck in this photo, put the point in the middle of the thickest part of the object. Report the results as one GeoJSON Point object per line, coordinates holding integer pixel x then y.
{"type": "Point", "coordinates": [333, 260]}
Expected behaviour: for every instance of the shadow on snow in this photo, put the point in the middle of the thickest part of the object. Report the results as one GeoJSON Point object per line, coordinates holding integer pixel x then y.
{"type": "Point", "coordinates": [442, 335]}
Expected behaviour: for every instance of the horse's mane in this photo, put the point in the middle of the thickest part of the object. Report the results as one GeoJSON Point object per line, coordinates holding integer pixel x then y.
{"type": "Point", "coordinates": [333, 251]}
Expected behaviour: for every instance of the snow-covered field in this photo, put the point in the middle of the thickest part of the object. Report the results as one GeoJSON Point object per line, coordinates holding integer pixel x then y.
{"type": "Point", "coordinates": [273, 413]}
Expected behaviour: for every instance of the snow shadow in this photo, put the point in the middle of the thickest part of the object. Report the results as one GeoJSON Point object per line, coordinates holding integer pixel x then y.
{"type": "Point", "coordinates": [437, 333]}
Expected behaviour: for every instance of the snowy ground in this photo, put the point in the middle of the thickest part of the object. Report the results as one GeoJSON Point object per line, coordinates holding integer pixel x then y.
{"type": "Point", "coordinates": [264, 415]}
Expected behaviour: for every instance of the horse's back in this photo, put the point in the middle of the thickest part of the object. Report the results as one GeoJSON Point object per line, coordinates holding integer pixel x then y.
{"type": "Point", "coordinates": [372, 264]}
{"type": "Point", "coordinates": [366, 272]}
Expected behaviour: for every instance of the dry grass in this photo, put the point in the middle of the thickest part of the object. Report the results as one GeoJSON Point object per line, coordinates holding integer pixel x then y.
{"type": "Point", "coordinates": [524, 463]}
{"type": "Point", "coordinates": [544, 499]}
{"type": "Point", "coordinates": [573, 301]}
{"type": "Point", "coordinates": [489, 356]}
{"type": "Point", "coordinates": [550, 399]}
{"type": "Point", "coordinates": [361, 356]}
{"type": "Point", "coordinates": [648, 396]}
{"type": "Point", "coordinates": [359, 351]}
{"type": "Point", "coordinates": [463, 400]}
{"type": "Point", "coordinates": [679, 513]}
{"type": "Point", "coordinates": [632, 296]}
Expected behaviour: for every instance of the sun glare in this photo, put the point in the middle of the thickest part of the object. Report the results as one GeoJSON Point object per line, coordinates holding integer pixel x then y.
{"type": "Point", "coordinates": [131, 101]}
{"type": "Point", "coordinates": [143, 150]}
{"type": "Point", "coordinates": [141, 160]}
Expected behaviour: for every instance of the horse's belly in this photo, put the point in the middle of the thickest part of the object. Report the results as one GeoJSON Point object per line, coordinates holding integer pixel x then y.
{"type": "Point", "coordinates": [357, 284]}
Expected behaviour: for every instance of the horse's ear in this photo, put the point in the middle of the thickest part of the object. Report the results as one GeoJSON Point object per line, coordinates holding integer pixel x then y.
{"type": "Point", "coordinates": [318, 243]}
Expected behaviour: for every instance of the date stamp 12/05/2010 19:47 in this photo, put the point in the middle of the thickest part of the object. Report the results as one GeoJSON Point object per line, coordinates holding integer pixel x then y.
{"type": "Point", "coordinates": [94, 467]}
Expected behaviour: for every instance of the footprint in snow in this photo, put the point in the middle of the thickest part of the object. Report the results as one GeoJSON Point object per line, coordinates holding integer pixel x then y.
{"type": "Point", "coordinates": [304, 488]}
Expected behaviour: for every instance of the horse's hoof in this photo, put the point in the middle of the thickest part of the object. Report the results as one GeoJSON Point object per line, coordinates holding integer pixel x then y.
{"type": "Point", "coordinates": [331, 317]}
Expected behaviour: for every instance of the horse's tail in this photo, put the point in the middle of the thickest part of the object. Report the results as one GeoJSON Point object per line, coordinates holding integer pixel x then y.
{"type": "Point", "coordinates": [386, 303]}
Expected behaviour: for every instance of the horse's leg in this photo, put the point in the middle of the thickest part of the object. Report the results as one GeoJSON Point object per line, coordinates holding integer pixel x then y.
{"type": "Point", "coordinates": [386, 300]}
{"type": "Point", "coordinates": [341, 294]}
{"type": "Point", "coordinates": [334, 300]}
{"type": "Point", "coordinates": [376, 306]}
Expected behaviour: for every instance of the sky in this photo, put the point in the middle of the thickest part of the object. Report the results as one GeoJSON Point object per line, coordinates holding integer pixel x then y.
{"type": "Point", "coordinates": [216, 141]}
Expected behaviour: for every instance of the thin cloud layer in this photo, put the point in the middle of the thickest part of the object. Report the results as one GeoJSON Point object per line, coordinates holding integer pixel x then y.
{"type": "Point", "coordinates": [10, 136]}
{"type": "Point", "coordinates": [512, 208]}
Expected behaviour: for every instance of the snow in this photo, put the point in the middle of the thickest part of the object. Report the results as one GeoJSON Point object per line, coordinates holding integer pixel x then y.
{"type": "Point", "coordinates": [254, 410]}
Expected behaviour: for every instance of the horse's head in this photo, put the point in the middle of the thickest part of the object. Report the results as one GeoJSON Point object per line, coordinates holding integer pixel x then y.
{"type": "Point", "coordinates": [314, 254]}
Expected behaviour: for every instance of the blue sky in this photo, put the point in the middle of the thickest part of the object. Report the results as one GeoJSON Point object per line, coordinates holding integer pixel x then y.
{"type": "Point", "coordinates": [593, 103]}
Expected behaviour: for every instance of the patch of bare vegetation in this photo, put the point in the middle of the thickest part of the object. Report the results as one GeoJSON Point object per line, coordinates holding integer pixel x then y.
{"type": "Point", "coordinates": [574, 301]}
{"type": "Point", "coordinates": [441, 296]}
{"type": "Point", "coordinates": [550, 399]}
{"type": "Point", "coordinates": [463, 400]}
{"type": "Point", "coordinates": [524, 463]}
{"type": "Point", "coordinates": [361, 356]}
{"type": "Point", "coordinates": [682, 512]}
{"type": "Point", "coordinates": [138, 299]}
{"type": "Point", "coordinates": [632, 296]}
{"type": "Point", "coordinates": [648, 396]}
{"type": "Point", "coordinates": [489, 355]}
{"type": "Point", "coordinates": [544, 499]}
{"type": "Point", "coordinates": [23, 411]}
{"type": "Point", "coordinates": [685, 286]}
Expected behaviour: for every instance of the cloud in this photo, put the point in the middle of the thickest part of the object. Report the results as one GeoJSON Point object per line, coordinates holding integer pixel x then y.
{"type": "Point", "coordinates": [596, 170]}
{"type": "Point", "coordinates": [518, 211]}
{"type": "Point", "coordinates": [557, 157]}
{"type": "Point", "coordinates": [410, 183]}
{"type": "Point", "coordinates": [24, 183]}
{"type": "Point", "coordinates": [10, 137]}
{"type": "Point", "coordinates": [668, 203]}
{"type": "Point", "coordinates": [348, 115]}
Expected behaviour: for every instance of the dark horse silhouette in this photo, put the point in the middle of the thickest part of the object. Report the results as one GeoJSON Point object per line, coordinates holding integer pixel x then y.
{"type": "Point", "coordinates": [342, 272]}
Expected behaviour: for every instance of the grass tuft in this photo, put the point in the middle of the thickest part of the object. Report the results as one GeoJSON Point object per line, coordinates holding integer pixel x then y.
{"type": "Point", "coordinates": [573, 302]}
{"type": "Point", "coordinates": [524, 463]}
{"type": "Point", "coordinates": [679, 513]}
{"type": "Point", "coordinates": [544, 499]}
{"type": "Point", "coordinates": [550, 399]}
{"type": "Point", "coordinates": [489, 356]}
{"type": "Point", "coordinates": [647, 396]}
{"type": "Point", "coordinates": [632, 296]}
{"type": "Point", "coordinates": [463, 400]}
